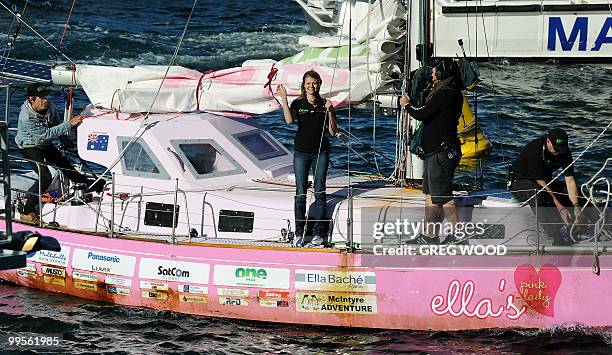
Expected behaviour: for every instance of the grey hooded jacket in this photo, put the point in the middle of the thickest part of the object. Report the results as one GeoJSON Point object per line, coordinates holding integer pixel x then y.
{"type": "Point", "coordinates": [34, 129]}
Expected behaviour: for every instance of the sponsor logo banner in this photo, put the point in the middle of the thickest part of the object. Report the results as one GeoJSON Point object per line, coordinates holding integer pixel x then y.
{"type": "Point", "coordinates": [154, 295]}
{"type": "Point", "coordinates": [118, 281]}
{"type": "Point", "coordinates": [60, 281]}
{"type": "Point", "coordinates": [107, 263]}
{"type": "Point", "coordinates": [233, 292]}
{"type": "Point", "coordinates": [193, 299]}
{"type": "Point", "coordinates": [272, 294]}
{"type": "Point", "coordinates": [203, 290]}
{"type": "Point", "coordinates": [335, 303]}
{"type": "Point", "coordinates": [53, 271]}
{"type": "Point", "coordinates": [353, 281]}
{"type": "Point", "coordinates": [117, 290]}
{"type": "Point", "coordinates": [273, 303]}
{"type": "Point", "coordinates": [230, 301]}
{"type": "Point", "coordinates": [154, 285]}
{"type": "Point", "coordinates": [59, 258]}
{"type": "Point", "coordinates": [88, 286]}
{"type": "Point", "coordinates": [233, 275]}
{"type": "Point", "coordinates": [173, 270]}
{"type": "Point", "coordinates": [83, 276]}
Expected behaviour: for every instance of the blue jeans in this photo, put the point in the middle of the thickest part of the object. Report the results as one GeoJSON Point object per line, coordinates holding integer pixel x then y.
{"type": "Point", "coordinates": [302, 164]}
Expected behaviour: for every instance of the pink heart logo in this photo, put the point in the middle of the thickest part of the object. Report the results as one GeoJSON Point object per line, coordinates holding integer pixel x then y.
{"type": "Point", "coordinates": [538, 288]}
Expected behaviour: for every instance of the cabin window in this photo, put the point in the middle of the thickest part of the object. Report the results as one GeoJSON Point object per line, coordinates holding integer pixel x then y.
{"type": "Point", "coordinates": [259, 144]}
{"type": "Point", "coordinates": [205, 158]}
{"type": "Point", "coordinates": [139, 160]}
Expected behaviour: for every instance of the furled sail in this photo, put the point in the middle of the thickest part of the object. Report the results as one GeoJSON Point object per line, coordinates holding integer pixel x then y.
{"type": "Point", "coordinates": [249, 90]}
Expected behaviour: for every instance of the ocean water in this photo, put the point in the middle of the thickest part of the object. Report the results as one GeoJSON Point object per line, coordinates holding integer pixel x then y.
{"type": "Point", "coordinates": [517, 102]}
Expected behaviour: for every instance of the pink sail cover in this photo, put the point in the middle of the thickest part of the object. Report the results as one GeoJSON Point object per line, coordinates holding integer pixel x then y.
{"type": "Point", "coordinates": [241, 91]}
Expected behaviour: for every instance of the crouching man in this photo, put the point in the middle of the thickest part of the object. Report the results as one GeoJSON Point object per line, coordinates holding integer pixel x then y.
{"type": "Point", "coordinates": [556, 205]}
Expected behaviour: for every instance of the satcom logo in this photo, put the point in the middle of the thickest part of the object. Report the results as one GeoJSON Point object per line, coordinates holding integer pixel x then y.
{"type": "Point", "coordinates": [174, 271]}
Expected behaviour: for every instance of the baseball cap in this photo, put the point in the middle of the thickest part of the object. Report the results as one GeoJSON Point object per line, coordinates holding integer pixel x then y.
{"type": "Point", "coordinates": [38, 89]}
{"type": "Point", "coordinates": [558, 138]}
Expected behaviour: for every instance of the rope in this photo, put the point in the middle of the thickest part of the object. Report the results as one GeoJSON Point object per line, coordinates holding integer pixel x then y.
{"type": "Point", "coordinates": [271, 76]}
{"type": "Point", "coordinates": [66, 24]}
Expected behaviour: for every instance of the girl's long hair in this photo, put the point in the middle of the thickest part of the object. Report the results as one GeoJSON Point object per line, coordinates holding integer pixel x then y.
{"type": "Point", "coordinates": [310, 74]}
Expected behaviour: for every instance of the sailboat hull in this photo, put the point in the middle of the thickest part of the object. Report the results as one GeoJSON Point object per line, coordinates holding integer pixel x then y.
{"type": "Point", "coordinates": [323, 286]}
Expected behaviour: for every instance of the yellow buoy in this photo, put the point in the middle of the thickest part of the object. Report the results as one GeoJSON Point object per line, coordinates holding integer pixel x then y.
{"type": "Point", "coordinates": [472, 146]}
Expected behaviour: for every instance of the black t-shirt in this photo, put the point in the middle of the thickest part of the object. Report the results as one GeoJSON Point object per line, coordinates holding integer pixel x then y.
{"type": "Point", "coordinates": [311, 126]}
{"type": "Point", "coordinates": [440, 117]}
{"type": "Point", "coordinates": [536, 163]}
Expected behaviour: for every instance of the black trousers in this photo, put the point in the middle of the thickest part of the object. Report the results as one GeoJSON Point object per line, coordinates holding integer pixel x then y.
{"type": "Point", "coordinates": [547, 212]}
{"type": "Point", "coordinates": [52, 156]}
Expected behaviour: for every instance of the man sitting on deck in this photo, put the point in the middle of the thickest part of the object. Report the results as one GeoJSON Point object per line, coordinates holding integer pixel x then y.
{"type": "Point", "coordinates": [533, 170]}
{"type": "Point", "coordinates": [39, 123]}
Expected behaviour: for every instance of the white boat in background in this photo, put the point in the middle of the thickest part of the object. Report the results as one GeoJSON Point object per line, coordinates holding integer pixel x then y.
{"type": "Point", "coordinates": [526, 30]}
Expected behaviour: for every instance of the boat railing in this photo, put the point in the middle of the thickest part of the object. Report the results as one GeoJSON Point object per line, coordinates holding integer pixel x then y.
{"type": "Point", "coordinates": [113, 227]}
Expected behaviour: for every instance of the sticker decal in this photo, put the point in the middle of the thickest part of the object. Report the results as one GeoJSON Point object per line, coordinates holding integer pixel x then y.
{"type": "Point", "coordinates": [343, 281]}
{"type": "Point", "coordinates": [318, 302]}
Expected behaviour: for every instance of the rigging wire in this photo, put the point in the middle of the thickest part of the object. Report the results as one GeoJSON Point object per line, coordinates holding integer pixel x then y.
{"type": "Point", "coordinates": [373, 93]}
{"type": "Point", "coordinates": [36, 33]}
{"type": "Point", "coordinates": [11, 41]}
{"type": "Point", "coordinates": [143, 125]}
{"type": "Point", "coordinates": [501, 135]}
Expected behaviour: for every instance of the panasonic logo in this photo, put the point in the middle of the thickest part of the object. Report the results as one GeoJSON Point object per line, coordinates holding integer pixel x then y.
{"type": "Point", "coordinates": [100, 257]}
{"type": "Point", "coordinates": [176, 272]}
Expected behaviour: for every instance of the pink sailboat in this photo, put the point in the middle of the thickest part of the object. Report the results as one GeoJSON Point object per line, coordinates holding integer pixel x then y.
{"type": "Point", "coordinates": [197, 218]}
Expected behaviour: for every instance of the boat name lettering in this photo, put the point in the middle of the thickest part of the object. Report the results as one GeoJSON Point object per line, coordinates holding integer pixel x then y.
{"type": "Point", "coordinates": [100, 257]}
{"type": "Point", "coordinates": [462, 295]}
{"type": "Point", "coordinates": [578, 34]}
{"type": "Point", "coordinates": [172, 271]}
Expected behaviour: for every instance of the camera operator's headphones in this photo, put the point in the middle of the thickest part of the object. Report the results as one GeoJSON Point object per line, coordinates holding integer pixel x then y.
{"type": "Point", "coordinates": [446, 68]}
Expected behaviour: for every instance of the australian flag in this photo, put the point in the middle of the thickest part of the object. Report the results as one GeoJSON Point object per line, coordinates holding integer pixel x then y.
{"type": "Point", "coordinates": [97, 142]}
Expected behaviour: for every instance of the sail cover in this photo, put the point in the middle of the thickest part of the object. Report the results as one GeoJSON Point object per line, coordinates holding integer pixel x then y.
{"type": "Point", "coordinates": [229, 91]}
{"type": "Point", "coordinates": [250, 89]}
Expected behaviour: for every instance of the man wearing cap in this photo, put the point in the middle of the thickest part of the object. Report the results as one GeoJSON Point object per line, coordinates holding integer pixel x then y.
{"type": "Point", "coordinates": [534, 169]}
{"type": "Point", "coordinates": [440, 143]}
{"type": "Point", "coordinates": [39, 123]}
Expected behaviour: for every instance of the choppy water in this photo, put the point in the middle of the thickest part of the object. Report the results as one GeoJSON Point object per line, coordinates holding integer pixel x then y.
{"type": "Point", "coordinates": [516, 103]}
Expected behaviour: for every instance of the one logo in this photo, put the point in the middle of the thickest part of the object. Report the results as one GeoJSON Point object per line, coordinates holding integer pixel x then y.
{"type": "Point", "coordinates": [251, 273]}
{"type": "Point", "coordinates": [97, 142]}
{"type": "Point", "coordinates": [560, 141]}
